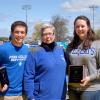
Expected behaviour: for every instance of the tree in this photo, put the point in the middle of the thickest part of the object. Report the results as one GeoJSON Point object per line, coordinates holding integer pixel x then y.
{"type": "Point", "coordinates": [60, 24]}
{"type": "Point", "coordinates": [4, 39]}
{"type": "Point", "coordinates": [36, 34]}
{"type": "Point", "coordinates": [98, 34]}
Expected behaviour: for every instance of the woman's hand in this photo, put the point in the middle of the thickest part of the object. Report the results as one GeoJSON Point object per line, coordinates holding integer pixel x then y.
{"type": "Point", "coordinates": [85, 81]}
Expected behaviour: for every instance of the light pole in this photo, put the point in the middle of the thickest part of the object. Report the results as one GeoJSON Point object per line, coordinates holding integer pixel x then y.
{"type": "Point", "coordinates": [26, 8]}
{"type": "Point", "coordinates": [93, 7]}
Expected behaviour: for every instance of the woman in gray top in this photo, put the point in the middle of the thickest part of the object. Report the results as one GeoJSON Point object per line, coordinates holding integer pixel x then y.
{"type": "Point", "coordinates": [84, 50]}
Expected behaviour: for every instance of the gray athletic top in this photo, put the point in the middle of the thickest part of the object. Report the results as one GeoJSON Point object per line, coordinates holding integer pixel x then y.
{"type": "Point", "coordinates": [90, 58]}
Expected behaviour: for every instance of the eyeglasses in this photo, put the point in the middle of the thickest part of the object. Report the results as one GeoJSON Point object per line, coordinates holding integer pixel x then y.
{"type": "Point", "coordinates": [45, 34]}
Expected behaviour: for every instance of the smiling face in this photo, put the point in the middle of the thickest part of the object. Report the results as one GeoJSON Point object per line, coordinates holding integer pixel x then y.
{"type": "Point", "coordinates": [48, 35]}
{"type": "Point", "coordinates": [81, 29]}
{"type": "Point", "coordinates": [18, 35]}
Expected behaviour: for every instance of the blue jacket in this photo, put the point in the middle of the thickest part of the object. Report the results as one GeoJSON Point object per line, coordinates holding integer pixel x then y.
{"type": "Point", "coordinates": [45, 74]}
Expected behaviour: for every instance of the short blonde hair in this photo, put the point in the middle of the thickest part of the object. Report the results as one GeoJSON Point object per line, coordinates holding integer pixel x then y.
{"type": "Point", "coordinates": [47, 25]}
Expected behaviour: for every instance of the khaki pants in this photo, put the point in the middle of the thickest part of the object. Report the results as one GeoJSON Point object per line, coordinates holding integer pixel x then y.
{"type": "Point", "coordinates": [13, 97]}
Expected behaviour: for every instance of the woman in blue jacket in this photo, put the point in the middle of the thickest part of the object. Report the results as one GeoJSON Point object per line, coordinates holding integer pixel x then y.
{"type": "Point", "coordinates": [45, 69]}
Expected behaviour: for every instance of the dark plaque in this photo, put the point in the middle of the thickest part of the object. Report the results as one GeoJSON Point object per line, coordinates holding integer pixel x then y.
{"type": "Point", "coordinates": [75, 73]}
{"type": "Point", "coordinates": [3, 77]}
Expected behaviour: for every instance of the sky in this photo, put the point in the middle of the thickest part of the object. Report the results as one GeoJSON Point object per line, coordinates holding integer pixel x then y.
{"type": "Point", "coordinates": [44, 10]}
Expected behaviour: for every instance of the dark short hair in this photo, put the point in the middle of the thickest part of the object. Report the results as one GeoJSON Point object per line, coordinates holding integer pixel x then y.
{"type": "Point", "coordinates": [18, 23]}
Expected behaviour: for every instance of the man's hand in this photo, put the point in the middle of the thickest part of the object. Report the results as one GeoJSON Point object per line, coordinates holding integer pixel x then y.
{"type": "Point", "coordinates": [4, 88]}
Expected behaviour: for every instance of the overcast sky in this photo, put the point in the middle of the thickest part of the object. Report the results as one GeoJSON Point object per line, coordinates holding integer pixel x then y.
{"type": "Point", "coordinates": [42, 10]}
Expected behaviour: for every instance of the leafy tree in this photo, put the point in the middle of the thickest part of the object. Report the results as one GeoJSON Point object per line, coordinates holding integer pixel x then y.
{"type": "Point", "coordinates": [98, 34]}
{"type": "Point", "coordinates": [36, 34]}
{"type": "Point", "coordinates": [4, 39]}
{"type": "Point", "coordinates": [60, 24]}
